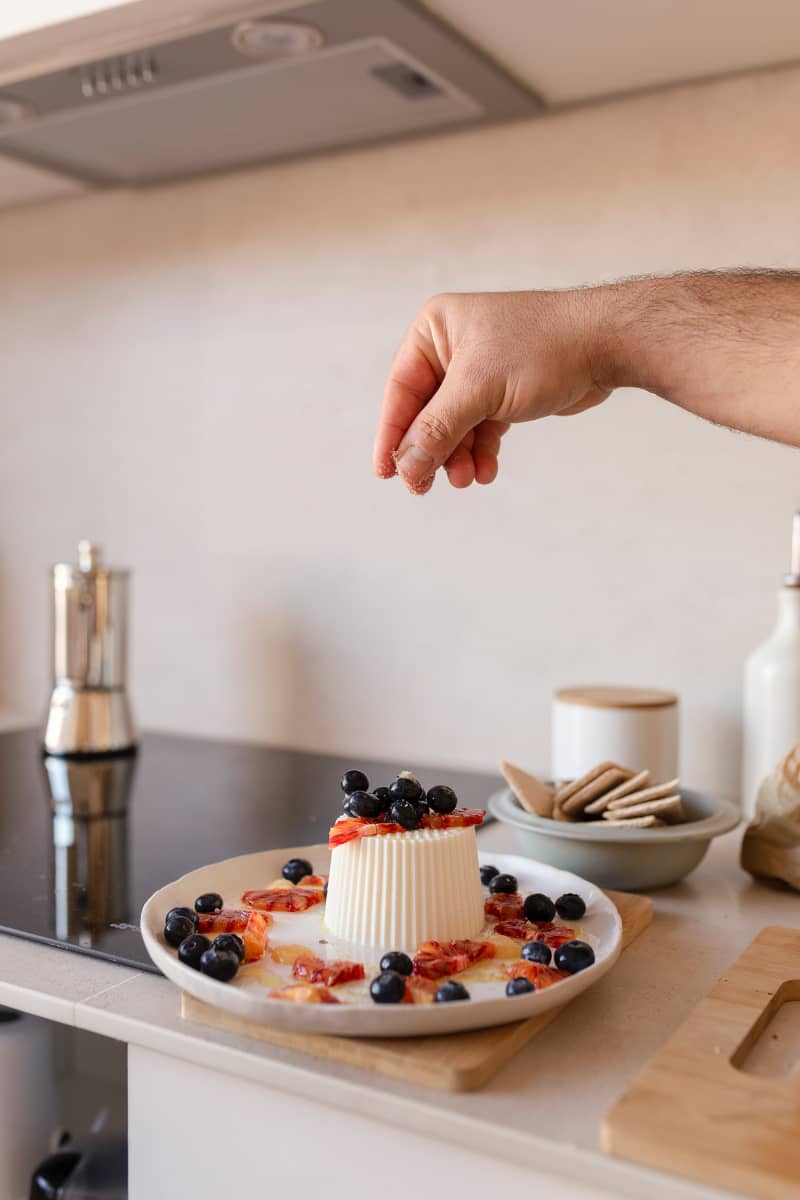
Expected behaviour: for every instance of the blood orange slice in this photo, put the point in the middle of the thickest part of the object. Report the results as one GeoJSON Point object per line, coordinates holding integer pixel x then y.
{"type": "Point", "coordinates": [539, 975]}
{"type": "Point", "coordinates": [251, 927]}
{"type": "Point", "coordinates": [419, 990]}
{"type": "Point", "coordinates": [315, 881]}
{"type": "Point", "coordinates": [459, 818]}
{"type": "Point", "coordinates": [505, 907]}
{"type": "Point", "coordinates": [350, 828]}
{"type": "Point", "coordinates": [552, 935]}
{"type": "Point", "coordinates": [521, 930]}
{"type": "Point", "coordinates": [435, 960]}
{"type": "Point", "coordinates": [286, 899]}
{"type": "Point", "coordinates": [317, 970]}
{"type": "Point", "coordinates": [305, 993]}
{"type": "Point", "coordinates": [475, 950]}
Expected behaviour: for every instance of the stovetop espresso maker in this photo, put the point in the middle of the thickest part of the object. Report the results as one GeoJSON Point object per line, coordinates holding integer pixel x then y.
{"type": "Point", "coordinates": [89, 711]}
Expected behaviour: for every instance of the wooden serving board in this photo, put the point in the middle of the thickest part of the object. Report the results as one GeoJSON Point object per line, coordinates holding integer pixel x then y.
{"type": "Point", "coordinates": [456, 1062]}
{"type": "Point", "coordinates": [716, 1103]}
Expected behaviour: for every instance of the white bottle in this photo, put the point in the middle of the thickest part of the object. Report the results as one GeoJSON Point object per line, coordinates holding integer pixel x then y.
{"type": "Point", "coordinates": [772, 688]}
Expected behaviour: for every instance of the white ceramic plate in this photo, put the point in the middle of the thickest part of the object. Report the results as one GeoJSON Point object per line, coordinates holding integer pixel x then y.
{"type": "Point", "coordinates": [357, 1015]}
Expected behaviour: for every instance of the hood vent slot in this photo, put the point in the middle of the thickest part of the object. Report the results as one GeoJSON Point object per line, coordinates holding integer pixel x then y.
{"type": "Point", "coordinates": [115, 76]}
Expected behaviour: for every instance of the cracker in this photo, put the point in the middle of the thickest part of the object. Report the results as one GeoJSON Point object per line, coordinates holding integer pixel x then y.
{"type": "Point", "coordinates": [669, 809]}
{"type": "Point", "coordinates": [534, 796]}
{"type": "Point", "coordinates": [569, 789]}
{"type": "Point", "coordinates": [657, 792]}
{"type": "Point", "coordinates": [650, 822]}
{"type": "Point", "coordinates": [560, 815]}
{"type": "Point", "coordinates": [576, 803]}
{"type": "Point", "coordinates": [635, 783]}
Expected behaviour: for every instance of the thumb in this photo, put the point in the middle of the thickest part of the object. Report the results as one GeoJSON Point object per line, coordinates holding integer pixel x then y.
{"type": "Point", "coordinates": [455, 409]}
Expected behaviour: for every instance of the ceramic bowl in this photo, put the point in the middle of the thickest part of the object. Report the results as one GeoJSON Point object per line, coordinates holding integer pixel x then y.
{"type": "Point", "coordinates": [628, 859]}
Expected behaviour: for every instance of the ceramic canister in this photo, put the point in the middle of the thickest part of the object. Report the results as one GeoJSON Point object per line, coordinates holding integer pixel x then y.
{"type": "Point", "coordinates": [635, 727]}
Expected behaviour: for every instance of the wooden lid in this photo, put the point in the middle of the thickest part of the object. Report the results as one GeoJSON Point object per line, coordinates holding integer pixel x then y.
{"type": "Point", "coordinates": [616, 697]}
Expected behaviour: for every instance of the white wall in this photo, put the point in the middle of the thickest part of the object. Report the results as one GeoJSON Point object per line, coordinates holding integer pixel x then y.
{"type": "Point", "coordinates": [191, 376]}
{"type": "Point", "coordinates": [20, 16]}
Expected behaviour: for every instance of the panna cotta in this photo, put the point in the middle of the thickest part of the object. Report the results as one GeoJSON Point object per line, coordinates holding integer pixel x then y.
{"type": "Point", "coordinates": [398, 890]}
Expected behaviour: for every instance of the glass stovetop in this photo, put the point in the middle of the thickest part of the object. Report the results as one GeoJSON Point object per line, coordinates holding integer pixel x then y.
{"type": "Point", "coordinates": [83, 844]}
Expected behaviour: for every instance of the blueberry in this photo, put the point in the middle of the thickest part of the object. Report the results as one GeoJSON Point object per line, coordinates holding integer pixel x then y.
{"type": "Point", "coordinates": [178, 928]}
{"type": "Point", "coordinates": [539, 909]}
{"type": "Point", "coordinates": [209, 902]}
{"type": "Point", "coordinates": [422, 807]}
{"type": "Point", "coordinates": [404, 812]}
{"type": "Point", "coordinates": [487, 874]}
{"type": "Point", "coordinates": [405, 789]}
{"type": "Point", "coordinates": [296, 868]}
{"type": "Point", "coordinates": [570, 907]}
{"type": "Point", "coordinates": [191, 948]}
{"type": "Point", "coordinates": [354, 781]}
{"type": "Point", "coordinates": [182, 912]}
{"type": "Point", "coordinates": [451, 990]}
{"type": "Point", "coordinates": [398, 962]}
{"type": "Point", "coordinates": [519, 986]}
{"type": "Point", "coordinates": [537, 952]}
{"type": "Point", "coordinates": [574, 956]}
{"type": "Point", "coordinates": [364, 804]}
{"type": "Point", "coordinates": [384, 795]}
{"type": "Point", "coordinates": [230, 942]}
{"type": "Point", "coordinates": [388, 988]}
{"type": "Point", "coordinates": [503, 883]}
{"type": "Point", "coordinates": [442, 798]}
{"type": "Point", "coordinates": [219, 964]}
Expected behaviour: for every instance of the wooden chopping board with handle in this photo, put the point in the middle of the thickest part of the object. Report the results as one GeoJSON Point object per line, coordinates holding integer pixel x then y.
{"type": "Point", "coordinates": [720, 1101]}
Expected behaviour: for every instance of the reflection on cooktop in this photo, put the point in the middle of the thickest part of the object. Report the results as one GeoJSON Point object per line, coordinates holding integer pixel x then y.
{"type": "Point", "coordinates": [84, 843]}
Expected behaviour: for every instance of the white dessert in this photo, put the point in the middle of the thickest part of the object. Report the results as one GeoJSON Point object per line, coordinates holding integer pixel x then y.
{"type": "Point", "coordinates": [395, 891]}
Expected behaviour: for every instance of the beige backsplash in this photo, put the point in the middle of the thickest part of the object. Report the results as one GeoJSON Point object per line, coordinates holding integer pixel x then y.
{"type": "Point", "coordinates": [190, 375]}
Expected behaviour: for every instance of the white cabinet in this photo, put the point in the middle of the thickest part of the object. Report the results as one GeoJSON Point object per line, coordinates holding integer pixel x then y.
{"type": "Point", "coordinates": [279, 1144]}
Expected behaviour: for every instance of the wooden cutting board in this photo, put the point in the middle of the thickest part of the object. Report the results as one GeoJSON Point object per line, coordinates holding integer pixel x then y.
{"type": "Point", "coordinates": [456, 1062]}
{"type": "Point", "coordinates": [719, 1102]}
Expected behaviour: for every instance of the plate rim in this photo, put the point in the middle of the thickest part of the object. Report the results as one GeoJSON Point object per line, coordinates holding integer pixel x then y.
{"type": "Point", "coordinates": [405, 1020]}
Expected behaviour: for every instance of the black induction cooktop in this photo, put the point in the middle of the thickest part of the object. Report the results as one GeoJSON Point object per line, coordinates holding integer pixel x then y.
{"type": "Point", "coordinates": [84, 843]}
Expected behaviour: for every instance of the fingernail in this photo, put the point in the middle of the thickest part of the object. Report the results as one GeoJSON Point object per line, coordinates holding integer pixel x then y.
{"type": "Point", "coordinates": [414, 464]}
{"type": "Point", "coordinates": [421, 488]}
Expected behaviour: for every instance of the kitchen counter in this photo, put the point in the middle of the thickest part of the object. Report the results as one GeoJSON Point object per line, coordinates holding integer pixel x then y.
{"type": "Point", "coordinates": [543, 1110]}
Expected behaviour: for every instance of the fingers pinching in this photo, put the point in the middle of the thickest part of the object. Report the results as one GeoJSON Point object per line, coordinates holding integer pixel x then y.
{"type": "Point", "coordinates": [460, 466]}
{"type": "Point", "coordinates": [412, 381]}
{"type": "Point", "coordinates": [486, 450]}
{"type": "Point", "coordinates": [438, 429]}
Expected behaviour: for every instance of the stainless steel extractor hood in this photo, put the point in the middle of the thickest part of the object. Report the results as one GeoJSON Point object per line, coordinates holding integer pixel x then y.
{"type": "Point", "coordinates": [298, 79]}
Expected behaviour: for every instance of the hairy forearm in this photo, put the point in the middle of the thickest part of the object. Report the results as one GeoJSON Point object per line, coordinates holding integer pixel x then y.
{"type": "Point", "coordinates": [724, 345]}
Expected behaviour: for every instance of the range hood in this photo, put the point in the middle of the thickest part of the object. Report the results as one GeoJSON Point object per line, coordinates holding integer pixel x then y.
{"type": "Point", "coordinates": [297, 79]}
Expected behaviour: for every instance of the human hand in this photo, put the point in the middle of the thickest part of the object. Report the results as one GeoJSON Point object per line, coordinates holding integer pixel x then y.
{"type": "Point", "coordinates": [470, 366]}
